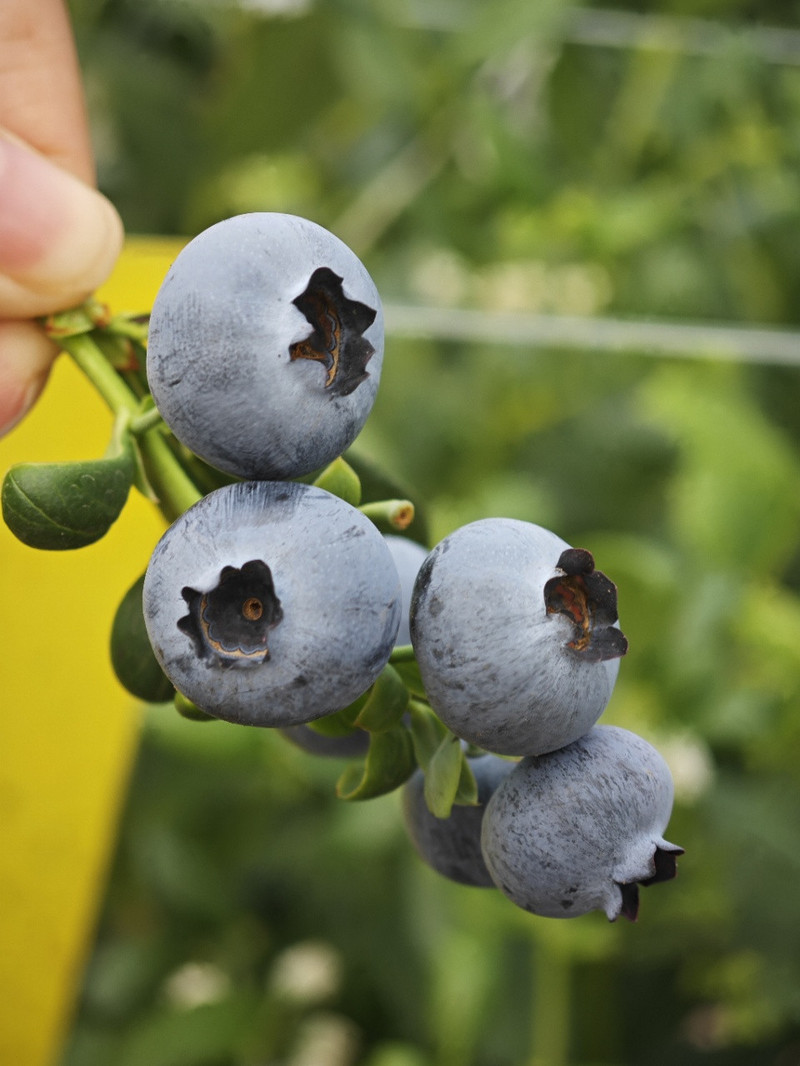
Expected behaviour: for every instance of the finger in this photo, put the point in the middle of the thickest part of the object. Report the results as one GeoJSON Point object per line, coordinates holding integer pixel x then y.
{"type": "Point", "coordinates": [26, 356]}
{"type": "Point", "coordinates": [41, 96]}
{"type": "Point", "coordinates": [59, 237]}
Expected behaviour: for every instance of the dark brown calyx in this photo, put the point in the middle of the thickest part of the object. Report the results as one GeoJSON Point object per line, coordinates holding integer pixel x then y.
{"type": "Point", "coordinates": [589, 600]}
{"type": "Point", "coordinates": [231, 622]}
{"type": "Point", "coordinates": [666, 869]}
{"type": "Point", "coordinates": [337, 337]}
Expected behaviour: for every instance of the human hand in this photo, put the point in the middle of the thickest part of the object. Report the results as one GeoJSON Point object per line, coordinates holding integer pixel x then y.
{"type": "Point", "coordinates": [59, 238]}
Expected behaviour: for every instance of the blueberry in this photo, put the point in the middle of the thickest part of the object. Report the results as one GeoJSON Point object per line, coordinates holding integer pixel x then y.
{"type": "Point", "coordinates": [266, 346]}
{"type": "Point", "coordinates": [272, 603]}
{"type": "Point", "coordinates": [408, 558]}
{"type": "Point", "coordinates": [580, 829]}
{"type": "Point", "coordinates": [343, 747]}
{"type": "Point", "coordinates": [516, 636]}
{"type": "Point", "coordinates": [452, 846]}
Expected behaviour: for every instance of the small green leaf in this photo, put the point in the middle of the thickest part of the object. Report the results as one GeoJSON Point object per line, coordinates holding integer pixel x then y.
{"type": "Point", "coordinates": [467, 791]}
{"type": "Point", "coordinates": [340, 723]}
{"type": "Point", "coordinates": [132, 657]}
{"type": "Point", "coordinates": [410, 676]}
{"type": "Point", "coordinates": [389, 763]}
{"type": "Point", "coordinates": [186, 709]}
{"type": "Point", "coordinates": [427, 732]}
{"type": "Point", "coordinates": [57, 506]}
{"type": "Point", "coordinates": [341, 480]}
{"type": "Point", "coordinates": [443, 776]}
{"type": "Point", "coordinates": [386, 703]}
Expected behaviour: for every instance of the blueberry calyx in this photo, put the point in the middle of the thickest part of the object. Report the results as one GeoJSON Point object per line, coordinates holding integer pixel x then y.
{"type": "Point", "coordinates": [665, 869]}
{"type": "Point", "coordinates": [337, 338]}
{"type": "Point", "coordinates": [589, 600]}
{"type": "Point", "coordinates": [230, 623]}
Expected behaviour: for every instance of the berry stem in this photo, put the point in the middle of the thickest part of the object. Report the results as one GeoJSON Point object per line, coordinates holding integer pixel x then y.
{"type": "Point", "coordinates": [175, 491]}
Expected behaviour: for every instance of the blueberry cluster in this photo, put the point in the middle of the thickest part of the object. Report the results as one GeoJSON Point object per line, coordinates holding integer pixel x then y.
{"type": "Point", "coordinates": [274, 602]}
{"type": "Point", "coordinates": [269, 602]}
{"type": "Point", "coordinates": [518, 643]}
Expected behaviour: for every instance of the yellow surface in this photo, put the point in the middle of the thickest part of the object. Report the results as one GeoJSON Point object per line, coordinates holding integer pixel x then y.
{"type": "Point", "coordinates": [67, 729]}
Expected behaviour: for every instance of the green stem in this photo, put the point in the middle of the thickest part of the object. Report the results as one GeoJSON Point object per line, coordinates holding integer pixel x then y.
{"type": "Point", "coordinates": [399, 514]}
{"type": "Point", "coordinates": [100, 372]}
{"type": "Point", "coordinates": [175, 490]}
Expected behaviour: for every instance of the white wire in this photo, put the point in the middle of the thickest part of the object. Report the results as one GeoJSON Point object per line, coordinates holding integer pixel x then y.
{"type": "Point", "coordinates": [645, 337]}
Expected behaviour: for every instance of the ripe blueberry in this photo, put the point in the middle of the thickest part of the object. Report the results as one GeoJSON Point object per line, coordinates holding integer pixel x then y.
{"type": "Point", "coordinates": [452, 846]}
{"type": "Point", "coordinates": [581, 828]}
{"type": "Point", "coordinates": [516, 636]}
{"type": "Point", "coordinates": [271, 603]}
{"type": "Point", "coordinates": [266, 346]}
{"type": "Point", "coordinates": [408, 558]}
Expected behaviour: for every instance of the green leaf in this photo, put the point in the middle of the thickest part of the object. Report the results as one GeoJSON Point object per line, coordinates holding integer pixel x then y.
{"type": "Point", "coordinates": [443, 777]}
{"type": "Point", "coordinates": [341, 480]}
{"type": "Point", "coordinates": [58, 506]}
{"type": "Point", "coordinates": [427, 732]}
{"type": "Point", "coordinates": [467, 791]}
{"type": "Point", "coordinates": [410, 676]}
{"type": "Point", "coordinates": [389, 763]}
{"type": "Point", "coordinates": [386, 703]}
{"type": "Point", "coordinates": [132, 657]}
{"type": "Point", "coordinates": [187, 709]}
{"type": "Point", "coordinates": [340, 723]}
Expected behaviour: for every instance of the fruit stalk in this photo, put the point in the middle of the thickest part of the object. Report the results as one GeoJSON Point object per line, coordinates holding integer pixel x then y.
{"type": "Point", "coordinates": [174, 490]}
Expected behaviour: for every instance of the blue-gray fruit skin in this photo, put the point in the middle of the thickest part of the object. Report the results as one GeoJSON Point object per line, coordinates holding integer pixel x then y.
{"type": "Point", "coordinates": [408, 557]}
{"type": "Point", "coordinates": [452, 846]}
{"type": "Point", "coordinates": [265, 346]}
{"type": "Point", "coordinates": [344, 747]}
{"type": "Point", "coordinates": [317, 644]}
{"type": "Point", "coordinates": [580, 829]}
{"type": "Point", "coordinates": [502, 669]}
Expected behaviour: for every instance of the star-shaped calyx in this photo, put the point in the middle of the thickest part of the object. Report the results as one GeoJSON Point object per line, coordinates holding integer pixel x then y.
{"type": "Point", "coordinates": [230, 623]}
{"type": "Point", "coordinates": [589, 600]}
{"type": "Point", "coordinates": [337, 338]}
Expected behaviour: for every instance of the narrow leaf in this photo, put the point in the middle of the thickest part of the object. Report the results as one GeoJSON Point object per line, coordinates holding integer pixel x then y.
{"type": "Point", "coordinates": [427, 732]}
{"type": "Point", "coordinates": [467, 791]}
{"type": "Point", "coordinates": [443, 776]}
{"type": "Point", "coordinates": [340, 723]}
{"type": "Point", "coordinates": [410, 676]}
{"type": "Point", "coordinates": [386, 703]}
{"type": "Point", "coordinates": [341, 480]}
{"type": "Point", "coordinates": [389, 763]}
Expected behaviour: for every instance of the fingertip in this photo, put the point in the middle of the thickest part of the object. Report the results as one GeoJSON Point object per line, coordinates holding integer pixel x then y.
{"type": "Point", "coordinates": [26, 357]}
{"type": "Point", "coordinates": [59, 237]}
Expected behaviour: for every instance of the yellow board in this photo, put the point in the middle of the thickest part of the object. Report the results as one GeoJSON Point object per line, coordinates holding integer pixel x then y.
{"type": "Point", "coordinates": [67, 729]}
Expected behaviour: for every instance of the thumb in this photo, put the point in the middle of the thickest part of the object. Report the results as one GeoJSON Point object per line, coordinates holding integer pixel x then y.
{"type": "Point", "coordinates": [59, 237]}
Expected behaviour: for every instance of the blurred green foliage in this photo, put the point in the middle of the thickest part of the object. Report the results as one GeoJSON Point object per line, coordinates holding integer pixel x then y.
{"type": "Point", "coordinates": [488, 156]}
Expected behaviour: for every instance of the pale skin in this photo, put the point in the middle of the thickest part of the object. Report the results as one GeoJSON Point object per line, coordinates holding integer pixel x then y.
{"type": "Point", "coordinates": [59, 238]}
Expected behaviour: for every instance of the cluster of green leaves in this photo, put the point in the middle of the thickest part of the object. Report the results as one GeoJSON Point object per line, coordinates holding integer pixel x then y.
{"type": "Point", "coordinates": [480, 155]}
